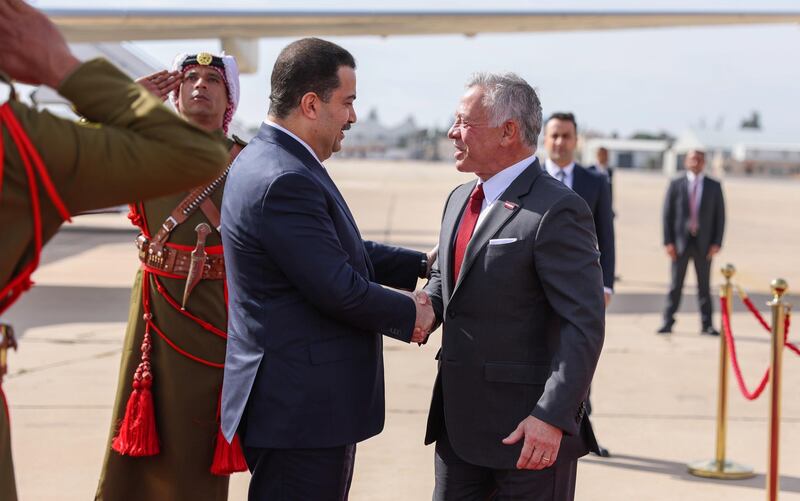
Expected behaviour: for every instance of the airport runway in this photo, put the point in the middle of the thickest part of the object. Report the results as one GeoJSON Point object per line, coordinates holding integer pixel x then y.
{"type": "Point", "coordinates": [654, 396]}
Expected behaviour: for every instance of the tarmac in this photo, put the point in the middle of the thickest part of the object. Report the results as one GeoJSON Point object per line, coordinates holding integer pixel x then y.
{"type": "Point", "coordinates": [654, 397]}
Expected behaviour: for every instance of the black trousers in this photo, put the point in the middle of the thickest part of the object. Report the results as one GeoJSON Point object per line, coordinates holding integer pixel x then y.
{"type": "Point", "coordinates": [300, 474]}
{"type": "Point", "coordinates": [457, 480]}
{"type": "Point", "coordinates": [702, 266]}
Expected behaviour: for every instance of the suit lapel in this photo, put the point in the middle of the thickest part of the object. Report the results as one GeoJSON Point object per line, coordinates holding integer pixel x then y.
{"type": "Point", "coordinates": [683, 193]}
{"type": "Point", "coordinates": [450, 221]}
{"type": "Point", "coordinates": [704, 196]}
{"type": "Point", "coordinates": [502, 210]}
{"type": "Point", "coordinates": [271, 134]}
{"type": "Point", "coordinates": [578, 181]}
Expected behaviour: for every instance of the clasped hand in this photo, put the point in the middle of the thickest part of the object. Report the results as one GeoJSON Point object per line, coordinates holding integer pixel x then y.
{"type": "Point", "coordinates": [425, 317]}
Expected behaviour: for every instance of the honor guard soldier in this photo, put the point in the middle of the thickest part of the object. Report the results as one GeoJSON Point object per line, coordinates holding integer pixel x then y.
{"type": "Point", "coordinates": [164, 441]}
{"type": "Point", "coordinates": [130, 148]}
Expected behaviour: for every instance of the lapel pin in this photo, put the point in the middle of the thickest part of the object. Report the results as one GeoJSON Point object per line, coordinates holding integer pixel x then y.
{"type": "Point", "coordinates": [510, 205]}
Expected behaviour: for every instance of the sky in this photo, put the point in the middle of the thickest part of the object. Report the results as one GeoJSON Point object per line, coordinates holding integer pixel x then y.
{"type": "Point", "coordinates": [614, 81]}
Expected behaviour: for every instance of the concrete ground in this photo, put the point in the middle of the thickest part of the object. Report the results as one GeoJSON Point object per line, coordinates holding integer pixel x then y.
{"type": "Point", "coordinates": [654, 396]}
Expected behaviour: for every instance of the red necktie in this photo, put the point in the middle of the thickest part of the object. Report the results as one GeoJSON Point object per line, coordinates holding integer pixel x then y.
{"type": "Point", "coordinates": [468, 221]}
{"type": "Point", "coordinates": [694, 223]}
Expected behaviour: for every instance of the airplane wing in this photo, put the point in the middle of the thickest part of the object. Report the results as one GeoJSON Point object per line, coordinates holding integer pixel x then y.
{"type": "Point", "coordinates": [240, 30]}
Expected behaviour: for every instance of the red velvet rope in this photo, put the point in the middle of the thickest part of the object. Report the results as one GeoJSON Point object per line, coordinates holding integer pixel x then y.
{"type": "Point", "coordinates": [787, 322]}
{"type": "Point", "coordinates": [737, 371]}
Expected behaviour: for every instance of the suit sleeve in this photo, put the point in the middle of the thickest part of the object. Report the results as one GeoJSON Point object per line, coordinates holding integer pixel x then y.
{"type": "Point", "coordinates": [132, 148]}
{"type": "Point", "coordinates": [604, 224]}
{"type": "Point", "coordinates": [668, 215]}
{"type": "Point", "coordinates": [394, 266]}
{"type": "Point", "coordinates": [566, 261]}
{"type": "Point", "coordinates": [719, 217]}
{"type": "Point", "coordinates": [299, 235]}
{"type": "Point", "coordinates": [434, 286]}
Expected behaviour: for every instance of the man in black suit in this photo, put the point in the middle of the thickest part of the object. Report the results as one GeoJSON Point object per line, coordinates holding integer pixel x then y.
{"type": "Point", "coordinates": [519, 288]}
{"type": "Point", "coordinates": [304, 366]}
{"type": "Point", "coordinates": [560, 141]}
{"type": "Point", "coordinates": [602, 167]}
{"type": "Point", "coordinates": [694, 221]}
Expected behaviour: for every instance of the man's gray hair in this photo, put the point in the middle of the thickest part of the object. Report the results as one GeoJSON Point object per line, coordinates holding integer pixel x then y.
{"type": "Point", "coordinates": [509, 97]}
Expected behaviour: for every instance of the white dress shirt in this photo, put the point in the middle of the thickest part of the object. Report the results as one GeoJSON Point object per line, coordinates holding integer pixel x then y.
{"type": "Point", "coordinates": [293, 135]}
{"type": "Point", "coordinates": [692, 177]}
{"type": "Point", "coordinates": [497, 184]}
{"type": "Point", "coordinates": [554, 170]}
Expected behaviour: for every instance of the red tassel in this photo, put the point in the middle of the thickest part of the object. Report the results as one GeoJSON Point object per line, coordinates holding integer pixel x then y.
{"type": "Point", "coordinates": [137, 434]}
{"type": "Point", "coordinates": [228, 458]}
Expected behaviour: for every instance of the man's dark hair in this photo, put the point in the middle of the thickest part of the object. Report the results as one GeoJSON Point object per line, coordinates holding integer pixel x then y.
{"type": "Point", "coordinates": [307, 65]}
{"type": "Point", "coordinates": [565, 117]}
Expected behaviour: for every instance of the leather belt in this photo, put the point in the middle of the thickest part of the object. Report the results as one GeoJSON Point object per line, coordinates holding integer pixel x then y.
{"type": "Point", "coordinates": [177, 262]}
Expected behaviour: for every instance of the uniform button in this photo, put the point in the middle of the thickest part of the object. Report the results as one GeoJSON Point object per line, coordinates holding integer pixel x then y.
{"type": "Point", "coordinates": [451, 313]}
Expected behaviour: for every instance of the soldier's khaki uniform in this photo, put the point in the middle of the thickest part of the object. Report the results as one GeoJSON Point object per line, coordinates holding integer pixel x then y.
{"type": "Point", "coordinates": [134, 148]}
{"type": "Point", "coordinates": [185, 392]}
{"type": "Point", "coordinates": [8, 488]}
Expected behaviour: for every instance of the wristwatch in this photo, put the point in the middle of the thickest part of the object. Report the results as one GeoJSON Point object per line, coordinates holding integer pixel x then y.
{"type": "Point", "coordinates": [423, 267]}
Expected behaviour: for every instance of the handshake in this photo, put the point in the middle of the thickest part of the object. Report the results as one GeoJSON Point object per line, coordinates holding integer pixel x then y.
{"type": "Point", "coordinates": [425, 317]}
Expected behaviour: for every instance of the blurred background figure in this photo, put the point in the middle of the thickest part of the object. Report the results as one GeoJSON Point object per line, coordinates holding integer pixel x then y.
{"type": "Point", "coordinates": [694, 222]}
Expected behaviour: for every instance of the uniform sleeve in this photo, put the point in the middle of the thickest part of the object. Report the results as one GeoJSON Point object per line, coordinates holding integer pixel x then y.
{"type": "Point", "coordinates": [132, 147]}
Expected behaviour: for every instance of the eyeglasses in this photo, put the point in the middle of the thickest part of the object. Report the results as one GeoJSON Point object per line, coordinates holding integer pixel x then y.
{"type": "Point", "coordinates": [458, 123]}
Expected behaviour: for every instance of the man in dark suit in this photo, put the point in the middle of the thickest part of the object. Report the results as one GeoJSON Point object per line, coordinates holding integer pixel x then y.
{"type": "Point", "coordinates": [560, 141]}
{"type": "Point", "coordinates": [694, 221]}
{"type": "Point", "coordinates": [304, 369]}
{"type": "Point", "coordinates": [519, 289]}
{"type": "Point", "coordinates": [602, 167]}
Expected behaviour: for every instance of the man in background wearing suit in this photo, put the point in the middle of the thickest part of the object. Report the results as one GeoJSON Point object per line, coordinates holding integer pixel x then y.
{"type": "Point", "coordinates": [304, 366]}
{"type": "Point", "coordinates": [694, 221]}
{"type": "Point", "coordinates": [560, 141]}
{"type": "Point", "coordinates": [518, 287]}
{"type": "Point", "coordinates": [602, 167]}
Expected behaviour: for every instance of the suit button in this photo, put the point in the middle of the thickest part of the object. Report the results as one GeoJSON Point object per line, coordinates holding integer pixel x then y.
{"type": "Point", "coordinates": [451, 313]}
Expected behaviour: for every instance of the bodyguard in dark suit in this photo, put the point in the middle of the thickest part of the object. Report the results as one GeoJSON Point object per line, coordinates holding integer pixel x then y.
{"type": "Point", "coordinates": [694, 222]}
{"type": "Point", "coordinates": [304, 369]}
{"type": "Point", "coordinates": [518, 288]}
{"type": "Point", "coordinates": [560, 141]}
{"type": "Point", "coordinates": [602, 167]}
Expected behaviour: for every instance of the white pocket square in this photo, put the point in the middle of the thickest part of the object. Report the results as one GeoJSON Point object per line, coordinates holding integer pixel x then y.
{"type": "Point", "coordinates": [502, 241]}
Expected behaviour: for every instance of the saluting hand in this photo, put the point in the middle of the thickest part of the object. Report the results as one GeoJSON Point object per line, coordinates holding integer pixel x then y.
{"type": "Point", "coordinates": [33, 50]}
{"type": "Point", "coordinates": [161, 83]}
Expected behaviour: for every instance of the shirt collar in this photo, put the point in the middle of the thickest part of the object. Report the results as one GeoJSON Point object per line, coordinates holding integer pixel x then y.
{"type": "Point", "coordinates": [497, 184]}
{"type": "Point", "coordinates": [553, 169]}
{"type": "Point", "coordinates": [691, 176]}
{"type": "Point", "coordinates": [294, 136]}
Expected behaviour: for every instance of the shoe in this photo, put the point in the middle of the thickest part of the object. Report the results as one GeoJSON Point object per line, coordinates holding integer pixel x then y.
{"type": "Point", "coordinates": [602, 452]}
{"type": "Point", "coordinates": [665, 329]}
{"type": "Point", "coordinates": [709, 331]}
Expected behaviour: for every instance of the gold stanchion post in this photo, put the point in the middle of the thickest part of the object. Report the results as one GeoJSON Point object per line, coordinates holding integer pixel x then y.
{"type": "Point", "coordinates": [779, 308]}
{"type": "Point", "coordinates": [719, 467]}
